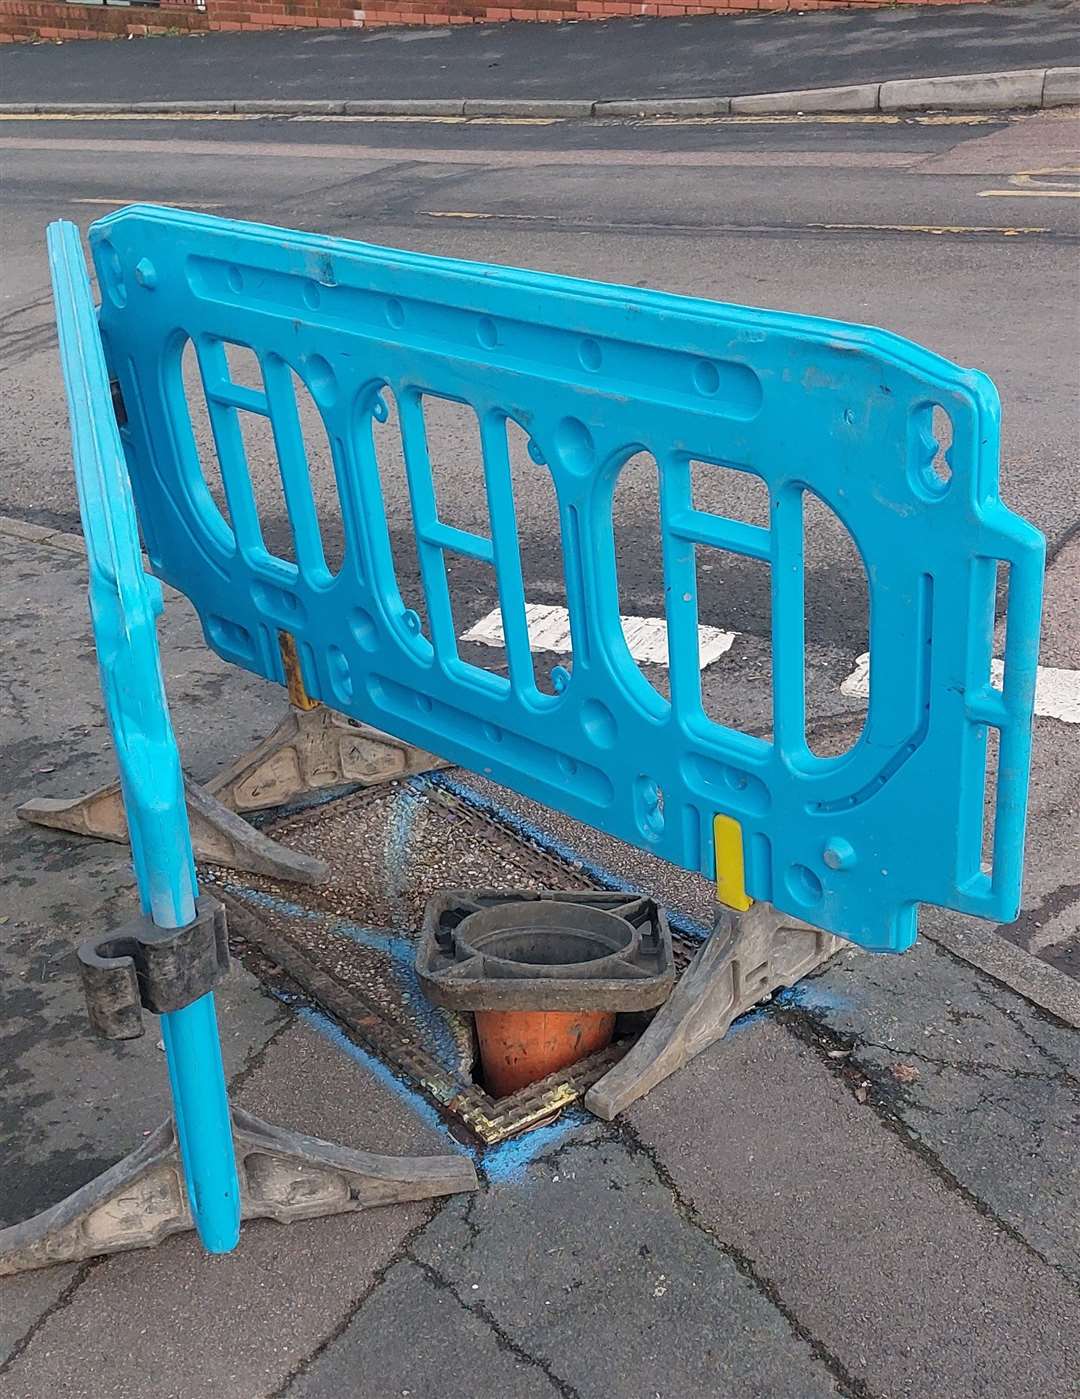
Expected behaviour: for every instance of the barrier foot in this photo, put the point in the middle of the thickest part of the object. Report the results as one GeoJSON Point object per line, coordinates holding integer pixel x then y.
{"type": "Point", "coordinates": [746, 958]}
{"type": "Point", "coordinates": [218, 836]}
{"type": "Point", "coordinates": [312, 749]}
{"type": "Point", "coordinates": [283, 1176]}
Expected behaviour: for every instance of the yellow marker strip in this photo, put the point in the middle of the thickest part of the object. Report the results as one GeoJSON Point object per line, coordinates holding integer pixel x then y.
{"type": "Point", "coordinates": [294, 676]}
{"type": "Point", "coordinates": [133, 116]}
{"type": "Point", "coordinates": [730, 871]}
{"type": "Point", "coordinates": [339, 118]}
{"type": "Point", "coordinates": [817, 119]}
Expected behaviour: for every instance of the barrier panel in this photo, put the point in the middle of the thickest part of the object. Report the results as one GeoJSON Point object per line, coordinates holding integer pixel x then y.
{"type": "Point", "coordinates": [592, 375]}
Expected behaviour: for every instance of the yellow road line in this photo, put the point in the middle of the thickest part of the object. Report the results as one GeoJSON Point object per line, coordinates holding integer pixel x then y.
{"type": "Point", "coordinates": [125, 199]}
{"type": "Point", "coordinates": [1029, 194]}
{"type": "Point", "coordinates": [778, 119]}
{"type": "Point", "coordinates": [939, 230]}
{"type": "Point", "coordinates": [826, 119]}
{"type": "Point", "coordinates": [133, 116]}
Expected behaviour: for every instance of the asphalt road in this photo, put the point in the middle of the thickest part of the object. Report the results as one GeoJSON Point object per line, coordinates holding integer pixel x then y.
{"type": "Point", "coordinates": [950, 231]}
{"type": "Point", "coordinates": [783, 1217]}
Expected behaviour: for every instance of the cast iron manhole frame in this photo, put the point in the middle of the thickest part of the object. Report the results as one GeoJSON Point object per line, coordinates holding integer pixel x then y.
{"type": "Point", "coordinates": [466, 1104]}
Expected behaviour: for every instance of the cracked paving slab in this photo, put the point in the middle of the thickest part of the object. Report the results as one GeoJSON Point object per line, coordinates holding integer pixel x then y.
{"type": "Point", "coordinates": [450, 1347]}
{"type": "Point", "coordinates": [996, 1104]}
{"type": "Point", "coordinates": [917, 1292]}
{"type": "Point", "coordinates": [588, 1266]}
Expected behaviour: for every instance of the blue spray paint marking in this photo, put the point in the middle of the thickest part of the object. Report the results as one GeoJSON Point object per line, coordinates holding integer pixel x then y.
{"type": "Point", "coordinates": [501, 1164]}
{"type": "Point", "coordinates": [396, 863]}
{"type": "Point", "coordinates": [813, 995]}
{"type": "Point", "coordinates": [305, 801]}
{"type": "Point", "coordinates": [689, 927]}
{"type": "Point", "coordinates": [747, 1021]}
{"type": "Point", "coordinates": [508, 1160]}
{"type": "Point", "coordinates": [446, 1035]}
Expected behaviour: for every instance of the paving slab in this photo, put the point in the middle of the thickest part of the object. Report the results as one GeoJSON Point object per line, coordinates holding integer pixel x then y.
{"type": "Point", "coordinates": [901, 1277]}
{"type": "Point", "coordinates": [71, 1104]}
{"type": "Point", "coordinates": [449, 1350]}
{"type": "Point", "coordinates": [180, 1324]}
{"type": "Point", "coordinates": [994, 1105]}
{"type": "Point", "coordinates": [24, 1302]}
{"type": "Point", "coordinates": [55, 741]}
{"type": "Point", "coordinates": [589, 1266]}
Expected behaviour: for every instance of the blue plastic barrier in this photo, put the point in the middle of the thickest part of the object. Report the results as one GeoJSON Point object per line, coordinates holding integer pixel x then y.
{"type": "Point", "coordinates": [124, 605]}
{"type": "Point", "coordinates": [594, 374]}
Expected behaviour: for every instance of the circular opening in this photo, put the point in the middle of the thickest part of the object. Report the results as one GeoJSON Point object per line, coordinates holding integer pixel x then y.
{"type": "Point", "coordinates": [538, 938]}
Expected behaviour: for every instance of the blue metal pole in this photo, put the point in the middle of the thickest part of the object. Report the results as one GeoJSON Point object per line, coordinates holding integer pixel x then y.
{"type": "Point", "coordinates": [124, 604]}
{"type": "Point", "coordinates": [164, 867]}
{"type": "Point", "coordinates": [203, 1124]}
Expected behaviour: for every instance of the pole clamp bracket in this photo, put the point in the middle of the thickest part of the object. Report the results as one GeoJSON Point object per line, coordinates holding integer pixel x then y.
{"type": "Point", "coordinates": [140, 966]}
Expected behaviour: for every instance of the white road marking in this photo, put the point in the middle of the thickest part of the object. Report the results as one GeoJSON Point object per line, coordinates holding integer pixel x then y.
{"type": "Point", "coordinates": [549, 630]}
{"type": "Point", "coordinates": [1057, 691]}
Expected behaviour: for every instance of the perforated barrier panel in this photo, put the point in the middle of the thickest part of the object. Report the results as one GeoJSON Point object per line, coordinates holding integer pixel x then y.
{"type": "Point", "coordinates": [592, 375]}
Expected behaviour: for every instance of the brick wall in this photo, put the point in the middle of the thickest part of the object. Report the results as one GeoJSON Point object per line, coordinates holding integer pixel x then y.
{"type": "Point", "coordinates": [54, 19]}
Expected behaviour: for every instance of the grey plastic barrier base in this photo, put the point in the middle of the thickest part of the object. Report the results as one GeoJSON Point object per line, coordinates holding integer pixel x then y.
{"type": "Point", "coordinates": [284, 1176]}
{"type": "Point", "coordinates": [745, 959]}
{"type": "Point", "coordinates": [310, 750]}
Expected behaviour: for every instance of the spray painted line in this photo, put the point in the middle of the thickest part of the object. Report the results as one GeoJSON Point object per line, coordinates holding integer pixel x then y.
{"type": "Point", "coordinates": [936, 229]}
{"type": "Point", "coordinates": [124, 199]}
{"type": "Point", "coordinates": [1057, 691]}
{"type": "Point", "coordinates": [447, 1047]}
{"type": "Point", "coordinates": [549, 630]}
